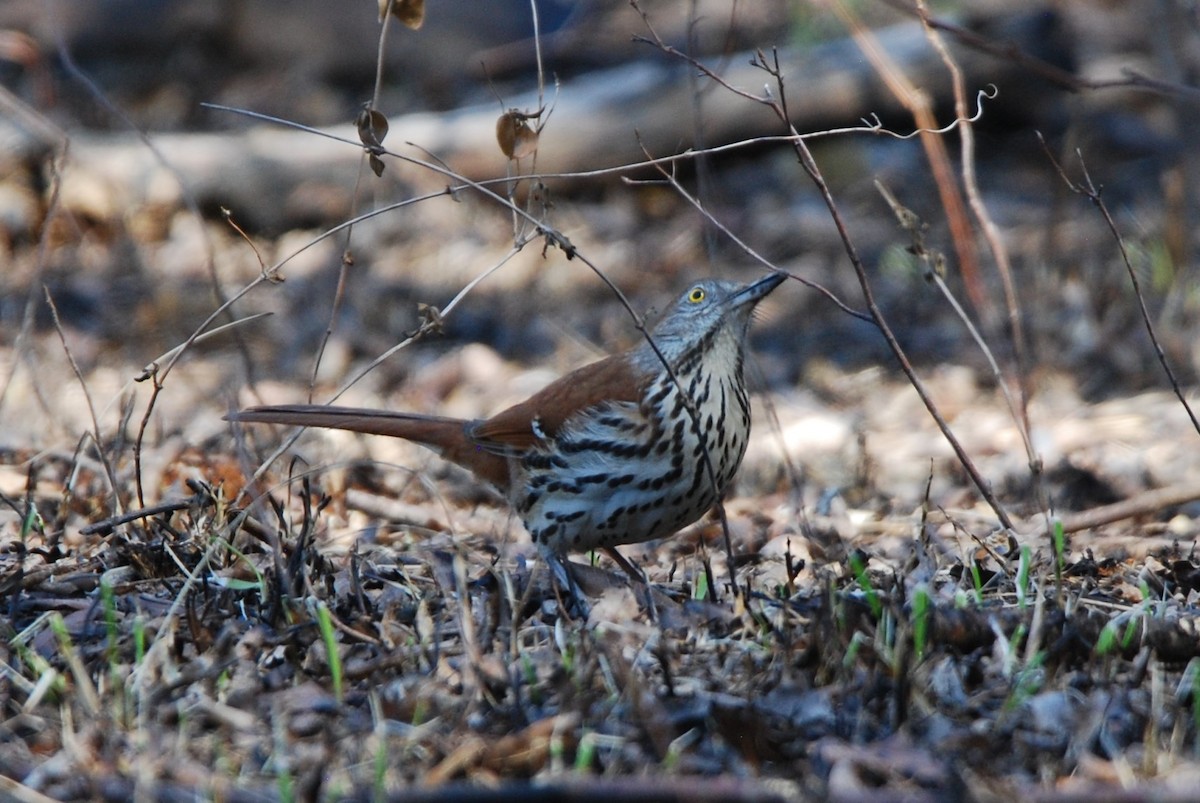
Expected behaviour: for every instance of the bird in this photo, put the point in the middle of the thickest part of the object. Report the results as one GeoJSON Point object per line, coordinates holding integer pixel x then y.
{"type": "Point", "coordinates": [624, 450]}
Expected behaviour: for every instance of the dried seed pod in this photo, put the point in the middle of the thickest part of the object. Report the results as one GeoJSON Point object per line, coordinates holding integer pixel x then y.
{"type": "Point", "coordinates": [516, 139]}
{"type": "Point", "coordinates": [410, 12]}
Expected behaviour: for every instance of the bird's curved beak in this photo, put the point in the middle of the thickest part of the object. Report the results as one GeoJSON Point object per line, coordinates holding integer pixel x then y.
{"type": "Point", "coordinates": [756, 291]}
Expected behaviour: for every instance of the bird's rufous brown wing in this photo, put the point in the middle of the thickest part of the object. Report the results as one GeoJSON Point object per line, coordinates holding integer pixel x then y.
{"type": "Point", "coordinates": [514, 430]}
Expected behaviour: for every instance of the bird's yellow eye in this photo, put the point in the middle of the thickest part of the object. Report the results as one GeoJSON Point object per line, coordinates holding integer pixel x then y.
{"type": "Point", "coordinates": [697, 295]}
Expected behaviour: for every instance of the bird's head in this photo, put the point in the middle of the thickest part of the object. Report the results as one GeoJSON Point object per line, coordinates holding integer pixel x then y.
{"type": "Point", "coordinates": [709, 312]}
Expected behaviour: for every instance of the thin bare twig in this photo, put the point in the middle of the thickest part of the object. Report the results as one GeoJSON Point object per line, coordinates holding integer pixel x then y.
{"type": "Point", "coordinates": [814, 172]}
{"type": "Point", "coordinates": [97, 441]}
{"type": "Point", "coordinates": [106, 526]}
{"type": "Point", "coordinates": [22, 342]}
{"type": "Point", "coordinates": [1019, 408]}
{"type": "Point", "coordinates": [870, 125]}
{"type": "Point", "coordinates": [368, 155]}
{"type": "Point", "coordinates": [909, 221]}
{"type": "Point", "coordinates": [749, 250]}
{"type": "Point", "coordinates": [1064, 79]}
{"type": "Point", "coordinates": [918, 103]}
{"type": "Point", "coordinates": [189, 200]}
{"type": "Point", "coordinates": [1090, 191]}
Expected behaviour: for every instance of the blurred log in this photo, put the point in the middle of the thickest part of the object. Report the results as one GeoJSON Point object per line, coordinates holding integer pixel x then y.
{"type": "Point", "coordinates": [271, 175]}
{"type": "Point", "coordinates": [1148, 503]}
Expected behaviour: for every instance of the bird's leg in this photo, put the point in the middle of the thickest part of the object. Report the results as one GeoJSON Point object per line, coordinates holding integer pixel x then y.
{"type": "Point", "coordinates": [563, 578]}
{"type": "Point", "coordinates": [640, 581]}
{"type": "Point", "coordinates": [634, 572]}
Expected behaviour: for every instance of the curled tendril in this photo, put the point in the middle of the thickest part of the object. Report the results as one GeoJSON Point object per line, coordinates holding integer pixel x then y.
{"type": "Point", "coordinates": [989, 93]}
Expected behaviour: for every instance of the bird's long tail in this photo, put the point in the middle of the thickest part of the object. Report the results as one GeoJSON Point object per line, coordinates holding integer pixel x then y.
{"type": "Point", "coordinates": [427, 430]}
{"type": "Point", "coordinates": [446, 436]}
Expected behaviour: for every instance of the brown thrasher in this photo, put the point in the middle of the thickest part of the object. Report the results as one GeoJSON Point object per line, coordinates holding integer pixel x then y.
{"type": "Point", "coordinates": [616, 452]}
